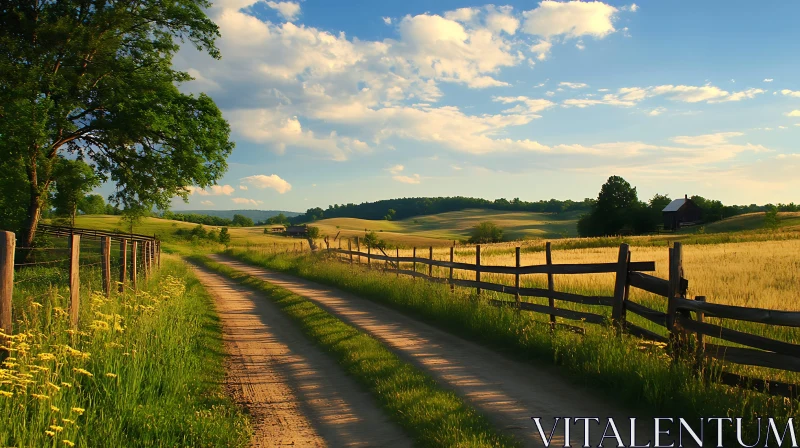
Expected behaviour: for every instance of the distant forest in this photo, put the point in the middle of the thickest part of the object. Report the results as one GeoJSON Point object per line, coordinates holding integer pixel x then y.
{"type": "Point", "coordinates": [402, 208]}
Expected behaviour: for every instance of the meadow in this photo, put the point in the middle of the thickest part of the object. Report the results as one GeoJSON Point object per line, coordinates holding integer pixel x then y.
{"type": "Point", "coordinates": [641, 375]}
{"type": "Point", "coordinates": [444, 228]}
{"type": "Point", "coordinates": [143, 368]}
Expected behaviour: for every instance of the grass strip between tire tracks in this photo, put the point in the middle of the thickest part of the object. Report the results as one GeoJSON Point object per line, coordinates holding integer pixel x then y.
{"type": "Point", "coordinates": [432, 415]}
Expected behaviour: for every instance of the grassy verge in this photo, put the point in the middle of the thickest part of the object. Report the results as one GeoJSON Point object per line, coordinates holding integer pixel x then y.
{"type": "Point", "coordinates": [633, 374]}
{"type": "Point", "coordinates": [145, 369]}
{"type": "Point", "coordinates": [432, 416]}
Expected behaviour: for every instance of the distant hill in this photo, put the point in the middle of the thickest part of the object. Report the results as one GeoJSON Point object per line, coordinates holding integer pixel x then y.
{"type": "Point", "coordinates": [255, 215]}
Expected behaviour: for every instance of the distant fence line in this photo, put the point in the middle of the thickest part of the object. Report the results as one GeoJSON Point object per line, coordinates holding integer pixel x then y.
{"type": "Point", "coordinates": [760, 351]}
{"type": "Point", "coordinates": [135, 252]}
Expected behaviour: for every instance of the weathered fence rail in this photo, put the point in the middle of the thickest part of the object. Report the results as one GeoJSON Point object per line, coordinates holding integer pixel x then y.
{"type": "Point", "coordinates": [748, 349]}
{"type": "Point", "coordinates": [143, 256]}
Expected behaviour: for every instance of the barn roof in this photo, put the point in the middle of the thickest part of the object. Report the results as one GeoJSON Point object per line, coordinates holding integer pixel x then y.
{"type": "Point", "coordinates": [675, 205]}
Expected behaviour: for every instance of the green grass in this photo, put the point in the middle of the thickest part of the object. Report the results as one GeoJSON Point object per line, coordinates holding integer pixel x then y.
{"type": "Point", "coordinates": [632, 373]}
{"type": "Point", "coordinates": [145, 369]}
{"type": "Point", "coordinates": [431, 415]}
{"type": "Point", "coordinates": [443, 228]}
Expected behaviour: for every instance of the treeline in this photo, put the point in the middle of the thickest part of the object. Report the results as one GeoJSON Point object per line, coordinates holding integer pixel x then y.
{"type": "Point", "coordinates": [618, 210]}
{"type": "Point", "coordinates": [409, 207]}
{"type": "Point", "coordinates": [197, 218]}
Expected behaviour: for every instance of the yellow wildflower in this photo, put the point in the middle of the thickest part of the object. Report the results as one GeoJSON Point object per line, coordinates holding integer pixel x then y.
{"type": "Point", "coordinates": [56, 428]}
{"type": "Point", "coordinates": [53, 386]}
{"type": "Point", "coordinates": [111, 375]}
{"type": "Point", "coordinates": [67, 385]}
{"type": "Point", "coordinates": [36, 304]}
{"type": "Point", "coordinates": [78, 411]}
{"type": "Point", "coordinates": [4, 393]}
{"type": "Point", "coordinates": [68, 443]}
{"type": "Point", "coordinates": [54, 409]}
{"type": "Point", "coordinates": [40, 396]}
{"type": "Point", "coordinates": [46, 356]}
{"type": "Point", "coordinates": [68, 421]}
{"type": "Point", "coordinates": [82, 371]}
{"type": "Point", "coordinates": [50, 433]}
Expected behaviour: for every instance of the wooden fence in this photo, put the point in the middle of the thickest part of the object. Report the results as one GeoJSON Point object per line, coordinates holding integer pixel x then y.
{"type": "Point", "coordinates": [686, 333]}
{"type": "Point", "coordinates": [135, 252]}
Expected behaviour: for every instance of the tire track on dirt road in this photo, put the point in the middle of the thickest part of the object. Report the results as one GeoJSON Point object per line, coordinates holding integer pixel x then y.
{"type": "Point", "coordinates": [295, 393]}
{"type": "Point", "coordinates": [509, 392]}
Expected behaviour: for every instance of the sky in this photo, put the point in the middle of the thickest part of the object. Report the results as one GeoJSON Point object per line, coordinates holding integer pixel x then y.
{"type": "Point", "coordinates": [344, 102]}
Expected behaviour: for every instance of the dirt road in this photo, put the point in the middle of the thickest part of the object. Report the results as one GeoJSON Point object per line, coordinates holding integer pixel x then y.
{"type": "Point", "coordinates": [296, 394]}
{"type": "Point", "coordinates": [507, 391]}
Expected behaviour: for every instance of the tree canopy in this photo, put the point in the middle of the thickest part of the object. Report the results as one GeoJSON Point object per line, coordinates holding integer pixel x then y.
{"type": "Point", "coordinates": [73, 180]}
{"type": "Point", "coordinates": [94, 80]}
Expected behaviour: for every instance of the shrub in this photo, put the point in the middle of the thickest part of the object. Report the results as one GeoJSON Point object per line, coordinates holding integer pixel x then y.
{"type": "Point", "coordinates": [224, 236]}
{"type": "Point", "coordinates": [486, 232]}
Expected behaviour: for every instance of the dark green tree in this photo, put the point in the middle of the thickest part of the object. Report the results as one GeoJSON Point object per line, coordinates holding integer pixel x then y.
{"type": "Point", "coordinates": [241, 221]}
{"type": "Point", "coordinates": [92, 204]}
{"type": "Point", "coordinates": [372, 240]}
{"type": "Point", "coordinates": [73, 180]}
{"type": "Point", "coordinates": [224, 236]}
{"type": "Point", "coordinates": [615, 203]}
{"type": "Point", "coordinates": [95, 80]}
{"type": "Point", "coordinates": [771, 220]}
{"type": "Point", "coordinates": [312, 232]}
{"type": "Point", "coordinates": [486, 232]}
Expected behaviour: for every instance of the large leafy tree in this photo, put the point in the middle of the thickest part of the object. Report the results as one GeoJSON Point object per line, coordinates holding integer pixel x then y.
{"type": "Point", "coordinates": [94, 80]}
{"type": "Point", "coordinates": [73, 180]}
{"type": "Point", "coordinates": [92, 204]}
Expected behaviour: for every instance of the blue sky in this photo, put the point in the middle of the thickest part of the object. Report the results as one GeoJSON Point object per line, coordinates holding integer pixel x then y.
{"type": "Point", "coordinates": [337, 102]}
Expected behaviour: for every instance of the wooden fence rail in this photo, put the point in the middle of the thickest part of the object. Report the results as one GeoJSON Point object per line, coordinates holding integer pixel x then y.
{"type": "Point", "coordinates": [150, 259]}
{"type": "Point", "coordinates": [677, 321]}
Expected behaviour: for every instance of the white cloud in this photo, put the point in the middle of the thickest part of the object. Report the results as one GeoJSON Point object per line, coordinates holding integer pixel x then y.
{"type": "Point", "coordinates": [630, 96]}
{"type": "Point", "coordinates": [287, 10]}
{"type": "Point", "coordinates": [527, 106]}
{"type": "Point", "coordinates": [542, 49]}
{"type": "Point", "coordinates": [214, 190]}
{"type": "Point", "coordinates": [501, 19]}
{"type": "Point", "coordinates": [209, 203]}
{"type": "Point", "coordinates": [387, 20]}
{"type": "Point", "coordinates": [787, 92]}
{"type": "Point", "coordinates": [395, 169]}
{"type": "Point", "coordinates": [580, 45]}
{"type": "Point", "coordinates": [220, 190]}
{"type": "Point", "coordinates": [570, 19]}
{"type": "Point", "coordinates": [413, 179]}
{"type": "Point", "coordinates": [794, 113]}
{"type": "Point", "coordinates": [245, 201]}
{"type": "Point", "coordinates": [768, 79]}
{"type": "Point", "coordinates": [243, 187]}
{"type": "Point", "coordinates": [272, 181]}
{"type": "Point", "coordinates": [463, 15]}
{"type": "Point", "coordinates": [633, 8]}
{"type": "Point", "coordinates": [573, 85]}
{"type": "Point", "coordinates": [706, 140]}
{"type": "Point", "coordinates": [657, 111]}
{"type": "Point", "coordinates": [458, 168]}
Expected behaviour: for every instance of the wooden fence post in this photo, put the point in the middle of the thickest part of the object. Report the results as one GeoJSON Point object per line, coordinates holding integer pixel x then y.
{"type": "Point", "coordinates": [397, 261]}
{"type": "Point", "coordinates": [134, 267]}
{"type": "Point", "coordinates": [675, 291]}
{"type": "Point", "coordinates": [430, 266]}
{"type": "Point", "coordinates": [452, 286]}
{"type": "Point", "coordinates": [551, 286]}
{"type": "Point", "coordinates": [158, 252]}
{"type": "Point", "coordinates": [8, 241]}
{"type": "Point", "coordinates": [516, 279]}
{"type": "Point", "coordinates": [123, 264]}
{"type": "Point", "coordinates": [105, 250]}
{"type": "Point", "coordinates": [145, 259]}
{"type": "Point", "coordinates": [358, 248]}
{"type": "Point", "coordinates": [74, 279]}
{"type": "Point", "coordinates": [478, 267]}
{"type": "Point", "coordinates": [414, 264]}
{"type": "Point", "coordinates": [369, 258]}
{"type": "Point", "coordinates": [621, 282]}
{"type": "Point", "coordinates": [701, 344]}
{"type": "Point", "coordinates": [350, 249]}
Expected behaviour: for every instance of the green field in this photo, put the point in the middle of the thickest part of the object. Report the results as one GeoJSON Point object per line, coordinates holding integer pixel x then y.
{"type": "Point", "coordinates": [165, 230]}
{"type": "Point", "coordinates": [443, 228]}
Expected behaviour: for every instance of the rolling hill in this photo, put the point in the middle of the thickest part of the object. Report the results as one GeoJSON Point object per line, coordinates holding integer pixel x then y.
{"type": "Point", "coordinates": [255, 215]}
{"type": "Point", "coordinates": [443, 228]}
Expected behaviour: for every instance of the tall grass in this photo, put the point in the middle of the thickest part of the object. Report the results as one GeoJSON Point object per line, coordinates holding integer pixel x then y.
{"type": "Point", "coordinates": [145, 369]}
{"type": "Point", "coordinates": [635, 374]}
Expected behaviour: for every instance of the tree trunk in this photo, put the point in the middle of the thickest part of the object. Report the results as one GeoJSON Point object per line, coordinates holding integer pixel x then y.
{"type": "Point", "coordinates": [34, 211]}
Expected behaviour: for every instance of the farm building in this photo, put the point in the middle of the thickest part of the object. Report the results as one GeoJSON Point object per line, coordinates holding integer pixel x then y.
{"type": "Point", "coordinates": [276, 229]}
{"type": "Point", "coordinates": [296, 230]}
{"type": "Point", "coordinates": [681, 213]}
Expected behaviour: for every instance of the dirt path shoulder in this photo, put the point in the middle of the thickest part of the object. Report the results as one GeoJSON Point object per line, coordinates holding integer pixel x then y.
{"type": "Point", "coordinates": [507, 391]}
{"type": "Point", "coordinates": [296, 394]}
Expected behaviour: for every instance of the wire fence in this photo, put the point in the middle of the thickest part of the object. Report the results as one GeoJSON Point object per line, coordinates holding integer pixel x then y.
{"type": "Point", "coordinates": [70, 259]}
